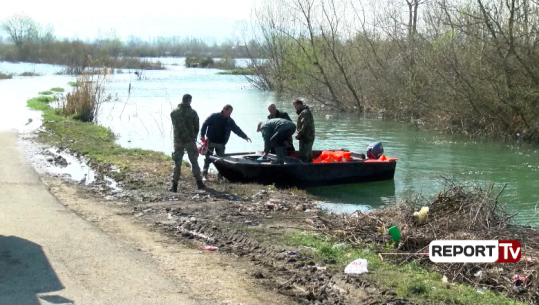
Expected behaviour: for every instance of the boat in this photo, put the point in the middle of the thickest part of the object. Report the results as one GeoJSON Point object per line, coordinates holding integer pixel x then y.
{"type": "Point", "coordinates": [248, 168]}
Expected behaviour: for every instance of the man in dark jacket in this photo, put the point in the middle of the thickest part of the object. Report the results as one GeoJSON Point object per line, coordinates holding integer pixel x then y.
{"type": "Point", "coordinates": [275, 133]}
{"type": "Point", "coordinates": [305, 133]}
{"type": "Point", "coordinates": [217, 128]}
{"type": "Point", "coordinates": [276, 114]}
{"type": "Point", "coordinates": [185, 125]}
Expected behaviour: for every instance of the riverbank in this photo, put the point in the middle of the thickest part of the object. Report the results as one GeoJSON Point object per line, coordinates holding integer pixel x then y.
{"type": "Point", "coordinates": [281, 231]}
{"type": "Point", "coordinates": [242, 71]}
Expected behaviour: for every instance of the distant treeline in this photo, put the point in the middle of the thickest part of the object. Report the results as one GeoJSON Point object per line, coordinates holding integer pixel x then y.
{"type": "Point", "coordinates": [28, 41]}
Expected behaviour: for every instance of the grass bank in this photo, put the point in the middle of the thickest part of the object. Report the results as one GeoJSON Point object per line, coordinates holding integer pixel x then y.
{"type": "Point", "coordinates": [5, 76]}
{"type": "Point", "coordinates": [95, 142]}
{"type": "Point", "coordinates": [242, 71]}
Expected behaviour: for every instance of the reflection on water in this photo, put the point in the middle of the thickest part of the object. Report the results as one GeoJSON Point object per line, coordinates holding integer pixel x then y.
{"type": "Point", "coordinates": [143, 120]}
{"type": "Point", "coordinates": [352, 197]}
{"type": "Point", "coordinates": [373, 195]}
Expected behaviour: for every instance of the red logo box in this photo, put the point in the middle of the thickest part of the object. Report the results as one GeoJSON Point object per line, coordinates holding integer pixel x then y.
{"type": "Point", "coordinates": [509, 251]}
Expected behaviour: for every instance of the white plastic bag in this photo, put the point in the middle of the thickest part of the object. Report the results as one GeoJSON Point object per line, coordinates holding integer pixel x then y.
{"type": "Point", "coordinates": [359, 266]}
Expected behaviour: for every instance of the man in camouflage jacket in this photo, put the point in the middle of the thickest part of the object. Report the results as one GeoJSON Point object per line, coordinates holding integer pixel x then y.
{"type": "Point", "coordinates": [186, 125]}
{"type": "Point", "coordinates": [305, 131]}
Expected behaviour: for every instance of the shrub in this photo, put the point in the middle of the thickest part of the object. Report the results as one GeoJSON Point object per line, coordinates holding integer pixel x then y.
{"type": "Point", "coordinates": [225, 64]}
{"type": "Point", "coordinates": [5, 76]}
{"type": "Point", "coordinates": [199, 62]}
{"type": "Point", "coordinates": [87, 97]}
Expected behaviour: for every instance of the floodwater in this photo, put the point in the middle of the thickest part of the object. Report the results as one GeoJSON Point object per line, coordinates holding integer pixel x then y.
{"type": "Point", "coordinates": [141, 119]}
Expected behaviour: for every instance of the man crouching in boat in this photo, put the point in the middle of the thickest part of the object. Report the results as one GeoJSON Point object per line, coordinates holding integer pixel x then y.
{"type": "Point", "coordinates": [274, 113]}
{"type": "Point", "coordinates": [275, 133]}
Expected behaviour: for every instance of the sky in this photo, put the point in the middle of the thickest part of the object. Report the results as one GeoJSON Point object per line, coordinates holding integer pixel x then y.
{"type": "Point", "coordinates": [215, 19]}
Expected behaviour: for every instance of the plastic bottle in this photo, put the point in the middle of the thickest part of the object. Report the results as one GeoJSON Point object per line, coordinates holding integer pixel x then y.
{"type": "Point", "coordinates": [395, 233]}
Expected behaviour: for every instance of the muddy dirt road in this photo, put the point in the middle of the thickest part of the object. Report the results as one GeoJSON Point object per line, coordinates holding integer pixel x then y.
{"type": "Point", "coordinates": [53, 251]}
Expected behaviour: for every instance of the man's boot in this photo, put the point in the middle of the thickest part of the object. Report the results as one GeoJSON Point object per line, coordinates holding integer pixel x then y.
{"type": "Point", "coordinates": [205, 175]}
{"type": "Point", "coordinates": [174, 187]}
{"type": "Point", "coordinates": [201, 185]}
{"type": "Point", "coordinates": [279, 152]}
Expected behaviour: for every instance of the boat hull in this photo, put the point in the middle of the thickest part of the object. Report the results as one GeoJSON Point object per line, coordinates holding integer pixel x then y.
{"type": "Point", "coordinates": [298, 174]}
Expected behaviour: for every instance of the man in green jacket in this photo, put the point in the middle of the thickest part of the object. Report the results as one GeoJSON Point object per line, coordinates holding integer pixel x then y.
{"type": "Point", "coordinates": [186, 125]}
{"type": "Point", "coordinates": [305, 133]}
{"type": "Point", "coordinates": [275, 133]}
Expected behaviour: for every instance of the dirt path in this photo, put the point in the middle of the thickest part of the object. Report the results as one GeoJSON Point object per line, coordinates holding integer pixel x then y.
{"type": "Point", "coordinates": [70, 249]}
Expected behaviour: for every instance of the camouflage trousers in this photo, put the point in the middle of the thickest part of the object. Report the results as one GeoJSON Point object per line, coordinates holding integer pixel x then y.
{"type": "Point", "coordinates": [177, 156]}
{"type": "Point", "coordinates": [306, 151]}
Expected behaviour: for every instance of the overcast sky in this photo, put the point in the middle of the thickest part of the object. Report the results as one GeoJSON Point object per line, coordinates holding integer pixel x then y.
{"type": "Point", "coordinates": [83, 19]}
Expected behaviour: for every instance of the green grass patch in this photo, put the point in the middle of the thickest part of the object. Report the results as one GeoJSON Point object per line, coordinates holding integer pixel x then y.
{"type": "Point", "coordinates": [410, 281]}
{"type": "Point", "coordinates": [237, 72]}
{"type": "Point", "coordinates": [57, 89]}
{"type": "Point", "coordinates": [46, 92]}
{"type": "Point", "coordinates": [73, 84]}
{"type": "Point", "coordinates": [97, 142]}
{"type": "Point", "coordinates": [40, 103]}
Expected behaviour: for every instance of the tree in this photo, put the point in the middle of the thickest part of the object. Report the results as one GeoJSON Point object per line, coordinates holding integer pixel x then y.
{"type": "Point", "coordinates": [24, 32]}
{"type": "Point", "coordinates": [46, 34]}
{"type": "Point", "coordinates": [20, 29]}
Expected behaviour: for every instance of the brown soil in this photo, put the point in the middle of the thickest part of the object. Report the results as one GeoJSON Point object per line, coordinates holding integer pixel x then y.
{"type": "Point", "coordinates": [245, 222]}
{"type": "Point", "coordinates": [211, 277]}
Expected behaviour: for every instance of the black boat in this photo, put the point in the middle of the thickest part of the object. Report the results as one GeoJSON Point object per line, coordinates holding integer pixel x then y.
{"type": "Point", "coordinates": [247, 168]}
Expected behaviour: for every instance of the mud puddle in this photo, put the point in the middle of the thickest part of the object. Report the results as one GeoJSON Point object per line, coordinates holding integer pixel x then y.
{"type": "Point", "coordinates": [64, 164]}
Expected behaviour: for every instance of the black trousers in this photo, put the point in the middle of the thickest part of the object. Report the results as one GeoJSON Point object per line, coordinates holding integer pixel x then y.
{"type": "Point", "coordinates": [288, 146]}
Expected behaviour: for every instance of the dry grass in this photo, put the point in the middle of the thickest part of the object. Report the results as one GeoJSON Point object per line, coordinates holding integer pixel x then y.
{"type": "Point", "coordinates": [86, 99]}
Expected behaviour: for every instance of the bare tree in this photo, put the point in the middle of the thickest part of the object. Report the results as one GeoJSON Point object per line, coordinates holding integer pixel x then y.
{"type": "Point", "coordinates": [20, 28]}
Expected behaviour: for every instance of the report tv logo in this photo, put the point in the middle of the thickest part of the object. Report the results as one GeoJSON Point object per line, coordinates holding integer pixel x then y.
{"type": "Point", "coordinates": [475, 251]}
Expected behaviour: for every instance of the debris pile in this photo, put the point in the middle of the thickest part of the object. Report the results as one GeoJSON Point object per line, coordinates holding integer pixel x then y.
{"type": "Point", "coordinates": [459, 213]}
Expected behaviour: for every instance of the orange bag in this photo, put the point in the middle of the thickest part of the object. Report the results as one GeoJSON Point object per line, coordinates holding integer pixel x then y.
{"type": "Point", "coordinates": [383, 158]}
{"type": "Point", "coordinates": [347, 156]}
{"type": "Point", "coordinates": [328, 156]}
